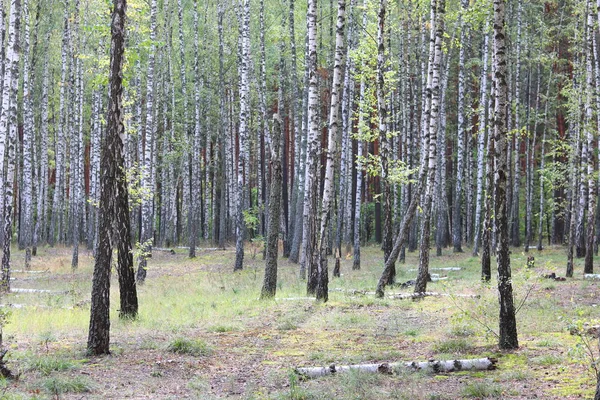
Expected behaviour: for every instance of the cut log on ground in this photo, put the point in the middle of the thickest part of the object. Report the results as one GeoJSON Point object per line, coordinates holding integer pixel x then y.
{"type": "Point", "coordinates": [593, 277]}
{"type": "Point", "coordinates": [439, 269]}
{"type": "Point", "coordinates": [403, 296]}
{"type": "Point", "coordinates": [438, 366]}
{"type": "Point", "coordinates": [294, 298]}
{"type": "Point", "coordinates": [20, 271]}
{"type": "Point", "coordinates": [21, 290]}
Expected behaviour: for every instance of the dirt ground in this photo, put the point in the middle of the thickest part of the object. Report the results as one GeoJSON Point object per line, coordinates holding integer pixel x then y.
{"type": "Point", "coordinates": [254, 347]}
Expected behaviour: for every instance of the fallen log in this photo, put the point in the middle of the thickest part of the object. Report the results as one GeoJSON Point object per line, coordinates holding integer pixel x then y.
{"type": "Point", "coordinates": [294, 298]}
{"type": "Point", "coordinates": [21, 271]}
{"type": "Point", "coordinates": [22, 290]}
{"type": "Point", "coordinates": [403, 296]}
{"type": "Point", "coordinates": [352, 291]}
{"type": "Point", "coordinates": [440, 269]}
{"type": "Point", "coordinates": [594, 277]}
{"type": "Point", "coordinates": [433, 366]}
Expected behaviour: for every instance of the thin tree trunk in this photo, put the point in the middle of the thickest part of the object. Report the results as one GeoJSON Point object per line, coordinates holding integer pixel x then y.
{"type": "Point", "coordinates": [243, 157]}
{"type": "Point", "coordinates": [310, 178]}
{"type": "Point", "coordinates": [460, 155]}
{"type": "Point", "coordinates": [481, 135]}
{"type": "Point", "coordinates": [328, 186]}
{"type": "Point", "coordinates": [430, 141]}
{"type": "Point", "coordinates": [8, 132]}
{"type": "Point", "coordinates": [508, 326]}
{"type": "Point", "coordinates": [147, 222]}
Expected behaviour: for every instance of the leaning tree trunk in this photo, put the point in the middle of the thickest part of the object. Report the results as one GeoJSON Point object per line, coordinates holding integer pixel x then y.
{"type": "Point", "coordinates": [508, 325]}
{"type": "Point", "coordinates": [8, 132]}
{"type": "Point", "coordinates": [99, 330]}
{"type": "Point", "coordinates": [270, 282]}
{"type": "Point", "coordinates": [430, 141]}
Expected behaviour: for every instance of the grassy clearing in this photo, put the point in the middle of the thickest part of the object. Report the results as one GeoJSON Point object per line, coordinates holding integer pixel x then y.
{"type": "Point", "coordinates": [203, 333]}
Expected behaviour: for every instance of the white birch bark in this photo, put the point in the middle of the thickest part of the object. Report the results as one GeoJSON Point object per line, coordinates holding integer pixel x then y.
{"type": "Point", "coordinates": [312, 143]}
{"type": "Point", "coordinates": [362, 128]}
{"type": "Point", "coordinates": [60, 142]}
{"type": "Point", "coordinates": [481, 142]}
{"type": "Point", "coordinates": [28, 143]}
{"type": "Point", "coordinates": [8, 131]}
{"type": "Point", "coordinates": [460, 151]}
{"type": "Point", "coordinates": [39, 233]}
{"type": "Point", "coordinates": [149, 133]}
{"type": "Point", "coordinates": [430, 141]}
{"type": "Point", "coordinates": [243, 157]}
{"type": "Point", "coordinates": [332, 139]}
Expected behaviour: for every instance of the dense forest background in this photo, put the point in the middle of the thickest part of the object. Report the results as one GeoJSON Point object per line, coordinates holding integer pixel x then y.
{"type": "Point", "coordinates": [360, 108]}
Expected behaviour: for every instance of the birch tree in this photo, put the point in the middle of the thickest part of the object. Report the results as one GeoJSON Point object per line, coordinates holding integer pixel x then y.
{"type": "Point", "coordinates": [429, 138]}
{"type": "Point", "coordinates": [332, 141]}
{"type": "Point", "coordinates": [149, 133]}
{"type": "Point", "coordinates": [508, 326]}
{"type": "Point", "coordinates": [8, 131]}
{"type": "Point", "coordinates": [99, 328]}
{"type": "Point", "coordinates": [243, 135]}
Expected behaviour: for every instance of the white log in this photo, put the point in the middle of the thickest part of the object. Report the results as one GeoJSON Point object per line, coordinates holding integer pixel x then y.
{"type": "Point", "coordinates": [20, 271]}
{"type": "Point", "coordinates": [404, 296]}
{"type": "Point", "coordinates": [594, 277]}
{"type": "Point", "coordinates": [437, 366]}
{"type": "Point", "coordinates": [439, 269]}
{"type": "Point", "coordinates": [22, 290]}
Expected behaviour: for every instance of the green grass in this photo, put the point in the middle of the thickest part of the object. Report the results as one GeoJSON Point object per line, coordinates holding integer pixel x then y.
{"type": "Point", "coordinates": [194, 347]}
{"type": "Point", "coordinates": [46, 365]}
{"type": "Point", "coordinates": [452, 346]}
{"type": "Point", "coordinates": [184, 300]}
{"type": "Point", "coordinates": [482, 390]}
{"type": "Point", "coordinates": [58, 385]}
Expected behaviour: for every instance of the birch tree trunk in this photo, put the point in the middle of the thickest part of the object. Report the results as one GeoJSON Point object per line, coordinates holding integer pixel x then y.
{"type": "Point", "coordinates": [60, 144]}
{"type": "Point", "coordinates": [515, 223]}
{"type": "Point", "coordinates": [27, 200]}
{"type": "Point", "coordinates": [508, 326]}
{"type": "Point", "coordinates": [430, 141]}
{"type": "Point", "coordinates": [99, 328]}
{"type": "Point", "coordinates": [243, 157]}
{"type": "Point", "coordinates": [328, 187]}
{"type": "Point", "coordinates": [591, 181]}
{"type": "Point", "coordinates": [362, 128]}
{"type": "Point", "coordinates": [385, 152]}
{"type": "Point", "coordinates": [481, 134]}
{"type": "Point", "coordinates": [39, 233]}
{"type": "Point", "coordinates": [460, 154]}
{"type": "Point", "coordinates": [147, 201]}
{"type": "Point", "coordinates": [8, 131]}
{"type": "Point", "coordinates": [270, 280]}
{"type": "Point", "coordinates": [310, 179]}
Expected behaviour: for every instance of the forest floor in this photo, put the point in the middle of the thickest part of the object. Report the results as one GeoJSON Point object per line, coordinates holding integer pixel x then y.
{"type": "Point", "coordinates": [202, 332]}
